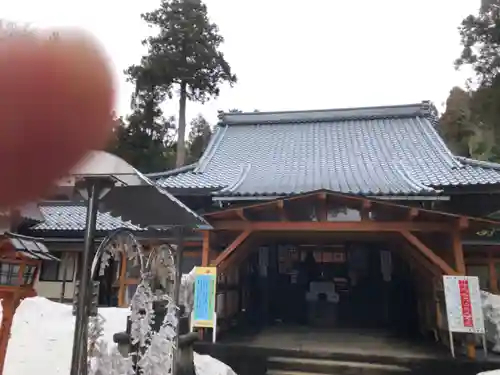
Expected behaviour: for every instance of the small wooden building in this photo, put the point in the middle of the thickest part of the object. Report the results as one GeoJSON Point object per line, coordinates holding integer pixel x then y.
{"type": "Point", "coordinates": [62, 228]}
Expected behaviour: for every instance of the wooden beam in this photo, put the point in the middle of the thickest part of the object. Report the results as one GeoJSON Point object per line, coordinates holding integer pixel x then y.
{"type": "Point", "coordinates": [312, 226]}
{"type": "Point", "coordinates": [205, 252]}
{"type": "Point", "coordinates": [458, 252]}
{"type": "Point", "coordinates": [241, 213]}
{"type": "Point", "coordinates": [438, 261]}
{"type": "Point", "coordinates": [232, 247]}
{"type": "Point", "coordinates": [351, 199]}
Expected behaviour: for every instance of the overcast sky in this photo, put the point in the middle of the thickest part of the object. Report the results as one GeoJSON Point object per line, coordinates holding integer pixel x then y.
{"type": "Point", "coordinates": [292, 55]}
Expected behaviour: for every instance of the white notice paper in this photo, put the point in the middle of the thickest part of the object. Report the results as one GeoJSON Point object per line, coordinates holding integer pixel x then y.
{"type": "Point", "coordinates": [463, 304]}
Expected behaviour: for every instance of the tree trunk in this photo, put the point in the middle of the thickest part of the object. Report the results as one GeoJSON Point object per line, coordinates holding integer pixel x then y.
{"type": "Point", "coordinates": [181, 131]}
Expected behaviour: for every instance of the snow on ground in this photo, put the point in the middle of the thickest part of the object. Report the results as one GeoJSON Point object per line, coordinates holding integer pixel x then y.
{"type": "Point", "coordinates": [491, 310]}
{"type": "Point", "coordinates": [42, 339]}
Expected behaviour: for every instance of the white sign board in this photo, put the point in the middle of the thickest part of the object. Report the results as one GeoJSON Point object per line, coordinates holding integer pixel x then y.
{"type": "Point", "coordinates": [463, 304]}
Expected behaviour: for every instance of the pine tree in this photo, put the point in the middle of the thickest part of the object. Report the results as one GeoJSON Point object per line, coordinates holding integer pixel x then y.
{"type": "Point", "coordinates": [185, 55]}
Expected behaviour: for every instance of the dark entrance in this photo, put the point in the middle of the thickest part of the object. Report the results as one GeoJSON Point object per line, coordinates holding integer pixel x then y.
{"type": "Point", "coordinates": [352, 286]}
{"type": "Point", "coordinates": [108, 289]}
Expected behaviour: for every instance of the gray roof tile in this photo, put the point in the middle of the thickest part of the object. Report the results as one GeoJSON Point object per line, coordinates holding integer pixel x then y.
{"type": "Point", "coordinates": [70, 216]}
{"type": "Point", "coordinates": [373, 151]}
{"type": "Point", "coordinates": [187, 178]}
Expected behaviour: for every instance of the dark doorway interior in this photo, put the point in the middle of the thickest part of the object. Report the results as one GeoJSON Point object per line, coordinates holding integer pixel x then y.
{"type": "Point", "coordinates": [373, 288]}
{"type": "Point", "coordinates": [108, 291]}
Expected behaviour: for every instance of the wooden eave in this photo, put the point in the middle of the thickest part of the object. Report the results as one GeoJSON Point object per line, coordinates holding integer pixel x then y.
{"type": "Point", "coordinates": [412, 218]}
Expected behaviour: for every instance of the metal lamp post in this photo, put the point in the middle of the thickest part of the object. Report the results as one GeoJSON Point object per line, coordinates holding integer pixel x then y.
{"type": "Point", "coordinates": [92, 189]}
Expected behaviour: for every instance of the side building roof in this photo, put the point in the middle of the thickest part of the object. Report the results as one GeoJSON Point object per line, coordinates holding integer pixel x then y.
{"type": "Point", "coordinates": [71, 216]}
{"type": "Point", "coordinates": [375, 151]}
{"type": "Point", "coordinates": [66, 219]}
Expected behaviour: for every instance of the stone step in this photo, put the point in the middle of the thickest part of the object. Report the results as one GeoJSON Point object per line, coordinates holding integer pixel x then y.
{"type": "Point", "coordinates": [331, 367]}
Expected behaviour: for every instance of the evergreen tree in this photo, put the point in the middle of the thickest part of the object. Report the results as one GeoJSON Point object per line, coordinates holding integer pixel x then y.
{"type": "Point", "coordinates": [198, 138]}
{"type": "Point", "coordinates": [145, 139]}
{"type": "Point", "coordinates": [456, 125]}
{"type": "Point", "coordinates": [184, 55]}
{"type": "Point", "coordinates": [480, 40]}
{"type": "Point", "coordinates": [481, 50]}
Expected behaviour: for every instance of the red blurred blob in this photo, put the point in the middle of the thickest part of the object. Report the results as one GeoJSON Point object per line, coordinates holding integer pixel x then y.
{"type": "Point", "coordinates": [56, 97]}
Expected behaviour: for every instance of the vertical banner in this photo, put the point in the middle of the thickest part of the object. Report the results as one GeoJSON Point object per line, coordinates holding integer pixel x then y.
{"type": "Point", "coordinates": [203, 315]}
{"type": "Point", "coordinates": [463, 304]}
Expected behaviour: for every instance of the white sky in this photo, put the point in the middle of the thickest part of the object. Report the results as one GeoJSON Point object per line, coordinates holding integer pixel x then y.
{"type": "Point", "coordinates": [292, 55]}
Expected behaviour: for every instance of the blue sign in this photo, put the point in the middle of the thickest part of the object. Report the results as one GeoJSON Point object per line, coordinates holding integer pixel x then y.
{"type": "Point", "coordinates": [204, 297]}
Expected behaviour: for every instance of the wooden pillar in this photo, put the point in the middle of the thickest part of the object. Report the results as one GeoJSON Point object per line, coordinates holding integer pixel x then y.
{"type": "Point", "coordinates": [458, 252]}
{"type": "Point", "coordinates": [492, 272]}
{"type": "Point", "coordinates": [122, 280]}
{"type": "Point", "coordinates": [458, 255]}
{"type": "Point", "coordinates": [225, 303]}
{"type": "Point", "coordinates": [9, 304]}
{"type": "Point", "coordinates": [205, 262]}
{"type": "Point", "coordinates": [205, 253]}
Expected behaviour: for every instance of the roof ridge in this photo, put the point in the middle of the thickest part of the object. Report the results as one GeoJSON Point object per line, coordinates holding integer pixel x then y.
{"type": "Point", "coordinates": [424, 108]}
{"type": "Point", "coordinates": [244, 170]}
{"type": "Point", "coordinates": [173, 172]}
{"type": "Point", "coordinates": [212, 146]}
{"type": "Point", "coordinates": [477, 163]}
{"type": "Point", "coordinates": [438, 142]}
{"type": "Point", "coordinates": [417, 185]}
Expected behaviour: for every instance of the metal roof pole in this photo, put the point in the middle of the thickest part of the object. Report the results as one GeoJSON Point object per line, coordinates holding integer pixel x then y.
{"type": "Point", "coordinates": [92, 189]}
{"type": "Point", "coordinates": [179, 236]}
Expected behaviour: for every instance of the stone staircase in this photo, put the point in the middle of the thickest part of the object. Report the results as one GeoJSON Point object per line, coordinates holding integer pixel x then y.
{"type": "Point", "coordinates": [313, 366]}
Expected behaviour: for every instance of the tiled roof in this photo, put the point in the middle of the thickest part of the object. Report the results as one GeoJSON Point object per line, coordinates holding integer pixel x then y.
{"type": "Point", "coordinates": [372, 151]}
{"type": "Point", "coordinates": [30, 247]}
{"type": "Point", "coordinates": [71, 216]}
{"type": "Point", "coordinates": [186, 177]}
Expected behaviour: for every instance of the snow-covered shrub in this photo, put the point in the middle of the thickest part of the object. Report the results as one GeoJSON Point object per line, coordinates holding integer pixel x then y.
{"type": "Point", "coordinates": [105, 360]}
{"type": "Point", "coordinates": [158, 357]}
{"type": "Point", "coordinates": [186, 297]}
{"type": "Point", "coordinates": [156, 350]}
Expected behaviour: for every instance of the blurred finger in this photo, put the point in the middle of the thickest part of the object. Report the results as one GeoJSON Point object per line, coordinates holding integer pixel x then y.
{"type": "Point", "coordinates": [56, 99]}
